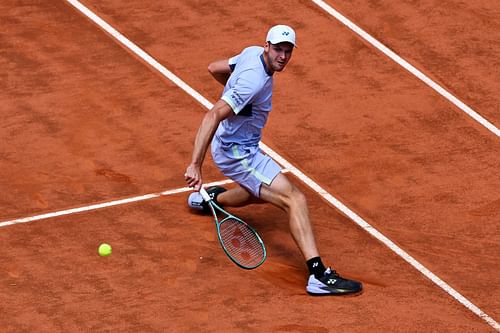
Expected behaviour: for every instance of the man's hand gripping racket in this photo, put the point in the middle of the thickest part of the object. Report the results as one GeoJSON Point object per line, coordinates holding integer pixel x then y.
{"type": "Point", "coordinates": [241, 243]}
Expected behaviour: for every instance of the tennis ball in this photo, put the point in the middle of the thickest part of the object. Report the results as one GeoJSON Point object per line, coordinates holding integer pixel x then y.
{"type": "Point", "coordinates": [104, 250]}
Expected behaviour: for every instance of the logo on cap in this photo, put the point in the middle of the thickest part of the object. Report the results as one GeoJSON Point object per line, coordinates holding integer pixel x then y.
{"type": "Point", "coordinates": [281, 33]}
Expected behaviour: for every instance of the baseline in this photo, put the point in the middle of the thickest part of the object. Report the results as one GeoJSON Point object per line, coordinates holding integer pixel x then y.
{"type": "Point", "coordinates": [105, 204]}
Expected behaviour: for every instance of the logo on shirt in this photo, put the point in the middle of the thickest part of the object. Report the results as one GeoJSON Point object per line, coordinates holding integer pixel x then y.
{"type": "Point", "coordinates": [238, 100]}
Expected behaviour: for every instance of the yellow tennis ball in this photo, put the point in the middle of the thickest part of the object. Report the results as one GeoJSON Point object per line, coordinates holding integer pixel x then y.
{"type": "Point", "coordinates": [104, 250]}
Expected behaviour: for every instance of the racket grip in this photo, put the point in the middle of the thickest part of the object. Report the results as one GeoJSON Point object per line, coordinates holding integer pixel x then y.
{"type": "Point", "coordinates": [205, 195]}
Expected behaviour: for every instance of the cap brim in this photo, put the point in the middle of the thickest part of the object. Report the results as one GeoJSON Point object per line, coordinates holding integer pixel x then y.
{"type": "Point", "coordinates": [282, 41]}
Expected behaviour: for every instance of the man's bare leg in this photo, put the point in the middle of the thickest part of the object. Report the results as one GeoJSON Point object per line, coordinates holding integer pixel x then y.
{"type": "Point", "coordinates": [283, 194]}
{"type": "Point", "coordinates": [237, 197]}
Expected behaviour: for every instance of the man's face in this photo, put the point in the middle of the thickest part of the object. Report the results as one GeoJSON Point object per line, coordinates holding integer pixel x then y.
{"type": "Point", "coordinates": [278, 55]}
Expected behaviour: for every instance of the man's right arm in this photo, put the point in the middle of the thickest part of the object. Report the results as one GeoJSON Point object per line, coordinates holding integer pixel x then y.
{"type": "Point", "coordinates": [219, 112]}
{"type": "Point", "coordinates": [220, 70]}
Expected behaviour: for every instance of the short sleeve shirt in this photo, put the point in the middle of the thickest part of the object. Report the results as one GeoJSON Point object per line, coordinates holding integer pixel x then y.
{"type": "Point", "coordinates": [249, 93]}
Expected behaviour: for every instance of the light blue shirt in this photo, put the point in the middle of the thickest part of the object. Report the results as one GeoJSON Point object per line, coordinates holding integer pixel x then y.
{"type": "Point", "coordinates": [249, 92]}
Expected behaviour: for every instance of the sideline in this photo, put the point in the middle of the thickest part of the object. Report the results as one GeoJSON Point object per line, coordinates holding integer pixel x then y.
{"type": "Point", "coordinates": [403, 63]}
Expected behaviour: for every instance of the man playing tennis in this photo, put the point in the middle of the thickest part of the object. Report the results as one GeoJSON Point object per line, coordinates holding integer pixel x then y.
{"type": "Point", "coordinates": [234, 128]}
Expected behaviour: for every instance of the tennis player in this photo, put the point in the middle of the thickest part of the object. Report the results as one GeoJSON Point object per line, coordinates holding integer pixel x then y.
{"type": "Point", "coordinates": [234, 128]}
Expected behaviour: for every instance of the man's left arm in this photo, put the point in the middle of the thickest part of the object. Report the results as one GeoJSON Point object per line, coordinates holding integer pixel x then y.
{"type": "Point", "coordinates": [220, 70]}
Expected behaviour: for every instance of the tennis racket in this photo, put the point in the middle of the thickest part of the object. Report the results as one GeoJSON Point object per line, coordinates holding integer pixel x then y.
{"type": "Point", "coordinates": [241, 243]}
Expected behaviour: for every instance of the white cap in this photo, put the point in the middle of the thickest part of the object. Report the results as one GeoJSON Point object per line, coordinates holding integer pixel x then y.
{"type": "Point", "coordinates": [281, 33]}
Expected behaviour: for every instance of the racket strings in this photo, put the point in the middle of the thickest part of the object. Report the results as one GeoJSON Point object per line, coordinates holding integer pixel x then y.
{"type": "Point", "coordinates": [241, 243]}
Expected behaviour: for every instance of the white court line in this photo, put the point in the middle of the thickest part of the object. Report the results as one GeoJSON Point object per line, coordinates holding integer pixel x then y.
{"type": "Point", "coordinates": [388, 52]}
{"type": "Point", "coordinates": [313, 185]}
{"type": "Point", "coordinates": [111, 203]}
{"type": "Point", "coordinates": [105, 204]}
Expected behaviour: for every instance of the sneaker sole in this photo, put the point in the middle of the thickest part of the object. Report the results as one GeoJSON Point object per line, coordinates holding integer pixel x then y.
{"type": "Point", "coordinates": [338, 292]}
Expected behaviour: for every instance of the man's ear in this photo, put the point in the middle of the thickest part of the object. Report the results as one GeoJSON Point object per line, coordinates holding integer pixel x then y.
{"type": "Point", "coordinates": [266, 46]}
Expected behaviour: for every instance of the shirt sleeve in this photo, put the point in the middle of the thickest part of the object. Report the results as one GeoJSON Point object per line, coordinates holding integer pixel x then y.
{"type": "Point", "coordinates": [247, 85]}
{"type": "Point", "coordinates": [233, 61]}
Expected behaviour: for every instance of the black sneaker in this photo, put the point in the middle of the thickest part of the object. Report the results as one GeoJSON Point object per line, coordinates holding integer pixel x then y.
{"type": "Point", "coordinates": [195, 200]}
{"type": "Point", "coordinates": [331, 283]}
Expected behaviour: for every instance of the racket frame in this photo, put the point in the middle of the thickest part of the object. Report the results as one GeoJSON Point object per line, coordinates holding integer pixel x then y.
{"type": "Point", "coordinates": [216, 208]}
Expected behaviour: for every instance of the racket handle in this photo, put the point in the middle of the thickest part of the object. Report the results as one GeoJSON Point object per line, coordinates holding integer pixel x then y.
{"type": "Point", "coordinates": [205, 195]}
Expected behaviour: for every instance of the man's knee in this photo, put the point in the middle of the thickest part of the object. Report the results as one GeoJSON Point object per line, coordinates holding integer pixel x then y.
{"type": "Point", "coordinates": [293, 198]}
{"type": "Point", "coordinates": [297, 198]}
{"type": "Point", "coordinates": [283, 193]}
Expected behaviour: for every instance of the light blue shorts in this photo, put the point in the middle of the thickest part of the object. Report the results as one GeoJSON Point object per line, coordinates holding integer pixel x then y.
{"type": "Point", "coordinates": [247, 166]}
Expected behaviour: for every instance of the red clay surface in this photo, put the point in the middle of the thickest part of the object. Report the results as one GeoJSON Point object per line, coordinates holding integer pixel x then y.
{"type": "Point", "coordinates": [84, 121]}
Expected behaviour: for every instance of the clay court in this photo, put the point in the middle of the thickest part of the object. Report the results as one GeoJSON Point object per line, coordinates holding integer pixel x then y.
{"type": "Point", "coordinates": [400, 166]}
